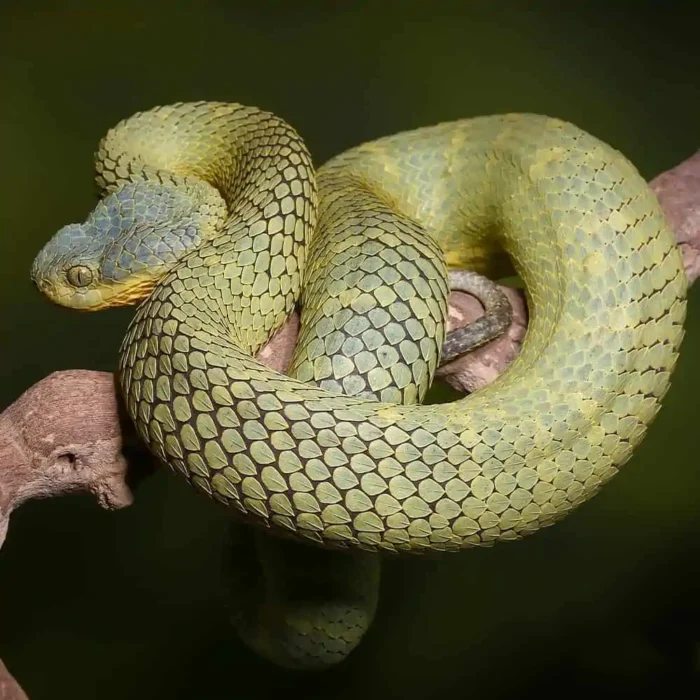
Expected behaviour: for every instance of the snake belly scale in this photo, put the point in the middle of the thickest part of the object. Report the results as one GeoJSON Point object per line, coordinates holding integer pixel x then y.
{"type": "Point", "coordinates": [226, 197]}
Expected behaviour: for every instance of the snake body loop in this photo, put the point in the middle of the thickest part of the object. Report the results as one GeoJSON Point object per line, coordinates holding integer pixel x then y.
{"type": "Point", "coordinates": [217, 209]}
{"type": "Point", "coordinates": [584, 231]}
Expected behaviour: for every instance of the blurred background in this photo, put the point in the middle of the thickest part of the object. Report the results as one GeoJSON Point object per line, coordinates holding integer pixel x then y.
{"type": "Point", "coordinates": [129, 604]}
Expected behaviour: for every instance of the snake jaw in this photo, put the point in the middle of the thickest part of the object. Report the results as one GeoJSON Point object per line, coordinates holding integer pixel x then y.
{"type": "Point", "coordinates": [99, 296]}
{"type": "Point", "coordinates": [127, 293]}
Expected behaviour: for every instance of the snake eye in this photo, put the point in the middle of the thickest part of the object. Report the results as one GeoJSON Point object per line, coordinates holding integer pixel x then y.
{"type": "Point", "coordinates": [79, 275]}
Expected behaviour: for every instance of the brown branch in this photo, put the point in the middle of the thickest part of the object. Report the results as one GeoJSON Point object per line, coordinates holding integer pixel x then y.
{"type": "Point", "coordinates": [678, 191]}
{"type": "Point", "coordinates": [63, 435]}
{"type": "Point", "coordinates": [9, 688]}
{"type": "Point", "coordinates": [67, 433]}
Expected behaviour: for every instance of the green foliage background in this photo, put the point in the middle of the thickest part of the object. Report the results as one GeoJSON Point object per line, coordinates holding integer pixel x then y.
{"type": "Point", "coordinates": [129, 604]}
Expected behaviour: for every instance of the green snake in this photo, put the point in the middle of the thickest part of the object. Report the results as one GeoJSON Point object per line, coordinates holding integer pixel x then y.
{"type": "Point", "coordinates": [214, 218]}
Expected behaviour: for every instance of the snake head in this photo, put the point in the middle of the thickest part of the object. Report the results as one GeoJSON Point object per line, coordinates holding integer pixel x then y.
{"type": "Point", "coordinates": [130, 240]}
{"type": "Point", "coordinates": [82, 269]}
{"type": "Point", "coordinates": [66, 272]}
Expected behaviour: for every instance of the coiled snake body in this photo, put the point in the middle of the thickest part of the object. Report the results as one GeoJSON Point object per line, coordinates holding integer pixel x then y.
{"type": "Point", "coordinates": [213, 207]}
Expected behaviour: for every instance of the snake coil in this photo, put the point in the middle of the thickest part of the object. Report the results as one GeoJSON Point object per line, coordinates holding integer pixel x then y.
{"type": "Point", "coordinates": [213, 212]}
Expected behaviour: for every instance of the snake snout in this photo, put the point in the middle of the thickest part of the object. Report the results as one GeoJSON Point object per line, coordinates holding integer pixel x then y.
{"type": "Point", "coordinates": [38, 277]}
{"type": "Point", "coordinates": [41, 284]}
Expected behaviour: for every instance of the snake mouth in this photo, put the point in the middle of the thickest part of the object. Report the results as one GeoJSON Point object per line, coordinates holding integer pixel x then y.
{"type": "Point", "coordinates": [127, 293]}
{"type": "Point", "coordinates": [98, 297]}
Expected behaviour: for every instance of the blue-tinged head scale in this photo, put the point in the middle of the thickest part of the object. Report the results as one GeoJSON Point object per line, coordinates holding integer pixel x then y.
{"type": "Point", "coordinates": [133, 236]}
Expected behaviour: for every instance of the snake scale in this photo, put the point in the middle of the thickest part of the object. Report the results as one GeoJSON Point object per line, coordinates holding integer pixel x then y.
{"type": "Point", "coordinates": [214, 219]}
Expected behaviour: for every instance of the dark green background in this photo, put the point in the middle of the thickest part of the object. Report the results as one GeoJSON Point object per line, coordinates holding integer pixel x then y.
{"type": "Point", "coordinates": [128, 604]}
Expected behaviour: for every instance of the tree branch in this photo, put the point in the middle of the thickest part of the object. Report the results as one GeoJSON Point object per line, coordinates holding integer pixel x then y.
{"type": "Point", "coordinates": [68, 433]}
{"type": "Point", "coordinates": [9, 688]}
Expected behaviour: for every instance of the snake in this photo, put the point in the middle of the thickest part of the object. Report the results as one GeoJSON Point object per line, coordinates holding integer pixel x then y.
{"type": "Point", "coordinates": [214, 221]}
